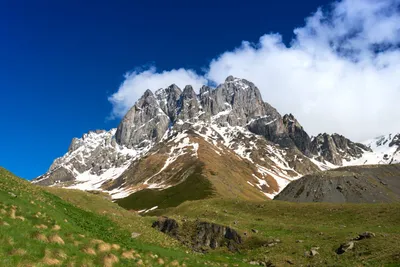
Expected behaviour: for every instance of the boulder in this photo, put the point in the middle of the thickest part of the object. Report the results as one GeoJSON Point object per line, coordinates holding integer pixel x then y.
{"type": "Point", "coordinates": [312, 252]}
{"type": "Point", "coordinates": [135, 235]}
{"type": "Point", "coordinates": [364, 236]}
{"type": "Point", "coordinates": [200, 235]}
{"type": "Point", "coordinates": [345, 247]}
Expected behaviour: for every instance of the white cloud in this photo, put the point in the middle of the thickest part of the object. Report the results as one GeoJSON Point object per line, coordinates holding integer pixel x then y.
{"type": "Point", "coordinates": [136, 83]}
{"type": "Point", "coordinates": [341, 73]}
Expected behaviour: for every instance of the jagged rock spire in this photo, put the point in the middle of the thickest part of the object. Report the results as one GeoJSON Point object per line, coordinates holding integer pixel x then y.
{"type": "Point", "coordinates": [296, 132]}
{"type": "Point", "coordinates": [236, 102]}
{"type": "Point", "coordinates": [144, 122]}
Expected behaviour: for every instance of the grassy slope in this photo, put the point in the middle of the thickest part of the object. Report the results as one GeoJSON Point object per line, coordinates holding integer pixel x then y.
{"type": "Point", "coordinates": [94, 217]}
{"type": "Point", "coordinates": [317, 224]}
{"type": "Point", "coordinates": [213, 175]}
{"type": "Point", "coordinates": [193, 188]}
{"type": "Point", "coordinates": [125, 219]}
{"type": "Point", "coordinates": [27, 236]}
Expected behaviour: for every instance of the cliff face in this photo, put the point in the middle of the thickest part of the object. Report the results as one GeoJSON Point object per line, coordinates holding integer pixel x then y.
{"type": "Point", "coordinates": [236, 102]}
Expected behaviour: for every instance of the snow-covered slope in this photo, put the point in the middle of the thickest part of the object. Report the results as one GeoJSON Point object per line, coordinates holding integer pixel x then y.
{"type": "Point", "coordinates": [90, 161]}
{"type": "Point", "coordinates": [385, 150]}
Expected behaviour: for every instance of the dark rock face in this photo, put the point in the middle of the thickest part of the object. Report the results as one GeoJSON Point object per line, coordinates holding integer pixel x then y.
{"type": "Point", "coordinates": [296, 132]}
{"type": "Point", "coordinates": [334, 148]}
{"type": "Point", "coordinates": [395, 141]}
{"type": "Point", "coordinates": [357, 184]}
{"type": "Point", "coordinates": [213, 235]}
{"type": "Point", "coordinates": [57, 175]}
{"type": "Point", "coordinates": [233, 235]}
{"type": "Point", "coordinates": [199, 235]}
{"type": "Point", "coordinates": [167, 226]}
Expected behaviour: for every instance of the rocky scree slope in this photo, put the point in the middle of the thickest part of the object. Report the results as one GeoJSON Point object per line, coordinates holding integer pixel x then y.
{"type": "Point", "coordinates": [356, 184]}
{"type": "Point", "coordinates": [227, 135]}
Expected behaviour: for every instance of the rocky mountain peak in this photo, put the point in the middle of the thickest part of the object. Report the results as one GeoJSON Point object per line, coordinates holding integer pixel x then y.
{"type": "Point", "coordinates": [144, 122]}
{"type": "Point", "coordinates": [167, 99]}
{"type": "Point", "coordinates": [290, 119]}
{"type": "Point", "coordinates": [230, 78]}
{"type": "Point", "coordinates": [236, 102]}
{"type": "Point", "coordinates": [335, 148]}
{"type": "Point", "coordinates": [164, 93]}
{"type": "Point", "coordinates": [147, 94]}
{"type": "Point", "coordinates": [296, 132]}
{"type": "Point", "coordinates": [78, 142]}
{"type": "Point", "coordinates": [188, 92]}
{"type": "Point", "coordinates": [204, 90]}
{"type": "Point", "coordinates": [188, 105]}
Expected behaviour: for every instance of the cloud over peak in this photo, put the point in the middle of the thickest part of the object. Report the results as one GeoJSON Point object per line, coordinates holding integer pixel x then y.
{"type": "Point", "coordinates": [339, 74]}
{"type": "Point", "coordinates": [137, 82]}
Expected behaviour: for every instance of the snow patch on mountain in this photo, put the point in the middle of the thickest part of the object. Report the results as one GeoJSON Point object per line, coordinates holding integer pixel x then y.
{"type": "Point", "coordinates": [94, 159]}
{"type": "Point", "coordinates": [183, 143]}
{"type": "Point", "coordinates": [323, 166]}
{"type": "Point", "coordinates": [242, 142]}
{"type": "Point", "coordinates": [386, 150]}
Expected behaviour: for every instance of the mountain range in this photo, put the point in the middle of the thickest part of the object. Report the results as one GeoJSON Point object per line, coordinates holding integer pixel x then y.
{"type": "Point", "coordinates": [224, 141]}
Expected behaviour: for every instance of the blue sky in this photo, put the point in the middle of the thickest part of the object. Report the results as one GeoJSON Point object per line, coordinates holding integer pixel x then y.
{"type": "Point", "coordinates": [60, 61]}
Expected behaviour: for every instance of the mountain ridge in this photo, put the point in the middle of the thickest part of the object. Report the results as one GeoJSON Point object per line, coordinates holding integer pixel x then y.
{"type": "Point", "coordinates": [164, 129]}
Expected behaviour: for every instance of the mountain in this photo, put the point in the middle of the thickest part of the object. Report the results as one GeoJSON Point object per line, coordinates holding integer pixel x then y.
{"type": "Point", "coordinates": [357, 184]}
{"type": "Point", "coordinates": [226, 139]}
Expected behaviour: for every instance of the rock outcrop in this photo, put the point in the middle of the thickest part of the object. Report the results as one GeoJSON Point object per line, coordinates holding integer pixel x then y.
{"type": "Point", "coordinates": [336, 148]}
{"type": "Point", "coordinates": [395, 142]}
{"type": "Point", "coordinates": [200, 235]}
{"type": "Point", "coordinates": [296, 132]}
{"type": "Point", "coordinates": [167, 226]}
